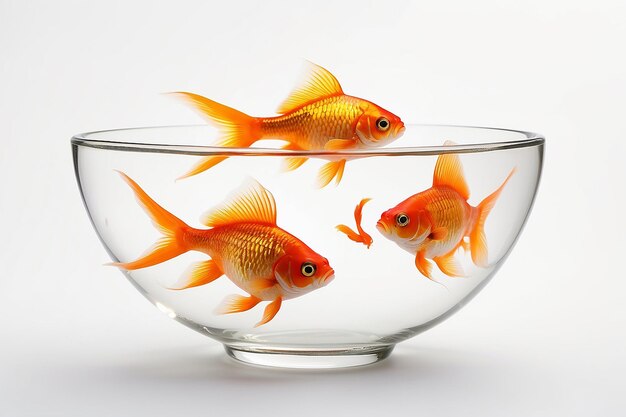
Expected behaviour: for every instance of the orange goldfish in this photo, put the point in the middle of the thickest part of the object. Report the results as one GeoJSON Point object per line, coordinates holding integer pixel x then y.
{"type": "Point", "coordinates": [316, 116]}
{"type": "Point", "coordinates": [361, 235]}
{"type": "Point", "coordinates": [434, 223]}
{"type": "Point", "coordinates": [245, 244]}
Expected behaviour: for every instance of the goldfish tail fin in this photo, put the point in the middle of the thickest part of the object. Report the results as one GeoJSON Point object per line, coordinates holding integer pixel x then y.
{"type": "Point", "coordinates": [174, 231]}
{"type": "Point", "coordinates": [330, 170]}
{"type": "Point", "coordinates": [478, 240]}
{"type": "Point", "coordinates": [238, 129]}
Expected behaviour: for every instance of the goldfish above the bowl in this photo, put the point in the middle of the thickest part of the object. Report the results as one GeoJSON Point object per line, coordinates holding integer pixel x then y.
{"type": "Point", "coordinates": [317, 115]}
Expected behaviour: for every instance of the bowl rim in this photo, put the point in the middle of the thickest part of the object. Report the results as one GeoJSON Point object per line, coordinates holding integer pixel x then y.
{"type": "Point", "coordinates": [83, 139]}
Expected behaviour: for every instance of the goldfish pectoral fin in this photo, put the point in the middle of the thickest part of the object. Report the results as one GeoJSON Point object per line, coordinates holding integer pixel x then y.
{"type": "Point", "coordinates": [204, 164]}
{"type": "Point", "coordinates": [236, 303]}
{"type": "Point", "coordinates": [330, 170]}
{"type": "Point", "coordinates": [262, 284]}
{"type": "Point", "coordinates": [423, 265]}
{"type": "Point", "coordinates": [200, 273]}
{"type": "Point", "coordinates": [270, 311]}
{"type": "Point", "coordinates": [339, 144]}
{"type": "Point", "coordinates": [292, 163]}
{"type": "Point", "coordinates": [465, 245]}
{"type": "Point", "coordinates": [449, 265]}
{"type": "Point", "coordinates": [318, 83]}
{"type": "Point", "coordinates": [449, 172]}
{"type": "Point", "coordinates": [439, 233]}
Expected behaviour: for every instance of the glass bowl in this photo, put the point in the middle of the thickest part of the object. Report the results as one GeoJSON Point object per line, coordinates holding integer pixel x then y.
{"type": "Point", "coordinates": [378, 296]}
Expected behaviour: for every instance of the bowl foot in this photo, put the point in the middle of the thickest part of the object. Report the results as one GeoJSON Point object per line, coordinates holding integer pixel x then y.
{"type": "Point", "coordinates": [309, 359]}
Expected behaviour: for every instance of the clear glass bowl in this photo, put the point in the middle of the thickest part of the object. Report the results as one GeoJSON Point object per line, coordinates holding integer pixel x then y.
{"type": "Point", "coordinates": [378, 297]}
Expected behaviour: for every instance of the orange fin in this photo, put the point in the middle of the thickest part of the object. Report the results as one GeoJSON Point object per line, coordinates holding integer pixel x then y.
{"type": "Point", "coordinates": [236, 303]}
{"type": "Point", "coordinates": [449, 173]}
{"type": "Point", "coordinates": [449, 265]}
{"type": "Point", "coordinates": [330, 170]}
{"type": "Point", "coordinates": [465, 245]}
{"type": "Point", "coordinates": [361, 236]}
{"type": "Point", "coordinates": [318, 83]}
{"type": "Point", "coordinates": [250, 203]}
{"type": "Point", "coordinates": [439, 233]}
{"type": "Point", "coordinates": [205, 163]}
{"type": "Point", "coordinates": [339, 144]}
{"type": "Point", "coordinates": [293, 162]}
{"type": "Point", "coordinates": [358, 212]}
{"type": "Point", "coordinates": [270, 311]}
{"type": "Point", "coordinates": [238, 129]}
{"type": "Point", "coordinates": [478, 240]}
{"type": "Point", "coordinates": [169, 246]}
{"type": "Point", "coordinates": [200, 273]}
{"type": "Point", "coordinates": [423, 265]}
{"type": "Point", "coordinates": [262, 284]}
{"type": "Point", "coordinates": [352, 235]}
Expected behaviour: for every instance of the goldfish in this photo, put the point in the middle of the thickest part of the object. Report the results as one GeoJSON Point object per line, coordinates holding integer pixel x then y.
{"type": "Point", "coordinates": [244, 244]}
{"type": "Point", "coordinates": [435, 223]}
{"type": "Point", "coordinates": [317, 115]}
{"type": "Point", "coordinates": [361, 235]}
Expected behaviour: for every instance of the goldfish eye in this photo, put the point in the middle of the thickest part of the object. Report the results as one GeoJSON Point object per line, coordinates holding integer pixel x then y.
{"type": "Point", "coordinates": [382, 124]}
{"type": "Point", "coordinates": [402, 219]}
{"type": "Point", "coordinates": [308, 269]}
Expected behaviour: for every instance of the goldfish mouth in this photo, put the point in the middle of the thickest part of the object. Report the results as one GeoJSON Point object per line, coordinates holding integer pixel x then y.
{"type": "Point", "coordinates": [382, 226]}
{"type": "Point", "coordinates": [328, 276]}
{"type": "Point", "coordinates": [399, 130]}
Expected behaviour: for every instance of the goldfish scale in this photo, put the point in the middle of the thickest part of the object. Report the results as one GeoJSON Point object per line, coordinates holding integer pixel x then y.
{"type": "Point", "coordinates": [448, 209]}
{"type": "Point", "coordinates": [244, 251]}
{"type": "Point", "coordinates": [312, 125]}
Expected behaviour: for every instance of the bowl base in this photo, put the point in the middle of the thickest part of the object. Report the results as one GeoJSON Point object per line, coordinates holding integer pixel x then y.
{"type": "Point", "coordinates": [309, 359]}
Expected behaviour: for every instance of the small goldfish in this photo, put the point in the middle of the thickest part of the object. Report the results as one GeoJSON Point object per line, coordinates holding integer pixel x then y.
{"type": "Point", "coordinates": [361, 236]}
{"type": "Point", "coordinates": [245, 244]}
{"type": "Point", "coordinates": [434, 223]}
{"type": "Point", "coordinates": [316, 116]}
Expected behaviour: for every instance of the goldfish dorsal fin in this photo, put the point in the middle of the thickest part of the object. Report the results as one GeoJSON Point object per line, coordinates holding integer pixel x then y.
{"type": "Point", "coordinates": [449, 173]}
{"type": "Point", "coordinates": [251, 203]}
{"type": "Point", "coordinates": [316, 84]}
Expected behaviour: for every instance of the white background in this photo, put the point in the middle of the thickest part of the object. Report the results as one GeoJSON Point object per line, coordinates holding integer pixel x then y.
{"type": "Point", "coordinates": [546, 337]}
